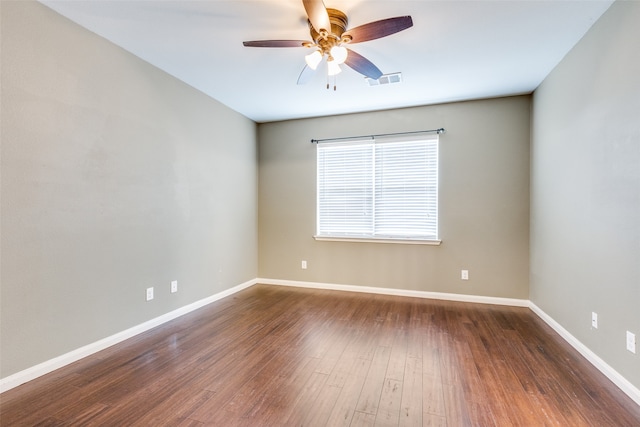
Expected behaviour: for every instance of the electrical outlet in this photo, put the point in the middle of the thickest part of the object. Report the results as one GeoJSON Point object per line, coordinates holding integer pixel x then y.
{"type": "Point", "coordinates": [174, 286]}
{"type": "Point", "coordinates": [594, 320]}
{"type": "Point", "coordinates": [149, 294]}
{"type": "Point", "coordinates": [304, 265]}
{"type": "Point", "coordinates": [631, 342]}
{"type": "Point", "coordinates": [464, 274]}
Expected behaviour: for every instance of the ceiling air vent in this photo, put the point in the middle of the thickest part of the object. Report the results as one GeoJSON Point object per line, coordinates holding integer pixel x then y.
{"type": "Point", "coordinates": [385, 79]}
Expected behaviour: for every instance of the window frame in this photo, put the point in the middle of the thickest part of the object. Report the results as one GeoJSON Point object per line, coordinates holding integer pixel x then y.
{"type": "Point", "coordinates": [432, 145]}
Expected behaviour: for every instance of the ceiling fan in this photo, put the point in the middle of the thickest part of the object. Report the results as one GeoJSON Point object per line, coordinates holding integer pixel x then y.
{"type": "Point", "coordinates": [329, 35]}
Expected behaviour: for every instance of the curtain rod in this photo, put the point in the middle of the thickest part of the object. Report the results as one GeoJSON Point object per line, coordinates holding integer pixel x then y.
{"type": "Point", "coordinates": [438, 131]}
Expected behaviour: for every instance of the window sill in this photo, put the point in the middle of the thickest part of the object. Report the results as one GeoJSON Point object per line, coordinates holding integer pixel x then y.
{"type": "Point", "coordinates": [378, 240]}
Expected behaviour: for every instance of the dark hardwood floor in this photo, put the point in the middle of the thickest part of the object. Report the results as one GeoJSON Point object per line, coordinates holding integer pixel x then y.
{"type": "Point", "coordinates": [279, 356]}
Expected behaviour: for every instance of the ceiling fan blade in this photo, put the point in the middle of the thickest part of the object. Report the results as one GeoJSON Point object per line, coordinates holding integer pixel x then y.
{"type": "Point", "coordinates": [318, 15]}
{"type": "Point", "coordinates": [308, 72]}
{"type": "Point", "coordinates": [362, 65]}
{"type": "Point", "coordinates": [378, 29]}
{"type": "Point", "coordinates": [305, 75]}
{"type": "Point", "coordinates": [276, 43]}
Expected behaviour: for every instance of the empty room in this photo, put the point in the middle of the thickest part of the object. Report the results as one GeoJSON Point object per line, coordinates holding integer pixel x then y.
{"type": "Point", "coordinates": [320, 213]}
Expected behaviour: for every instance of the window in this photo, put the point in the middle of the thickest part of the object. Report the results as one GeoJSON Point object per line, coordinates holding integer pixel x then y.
{"type": "Point", "coordinates": [382, 189]}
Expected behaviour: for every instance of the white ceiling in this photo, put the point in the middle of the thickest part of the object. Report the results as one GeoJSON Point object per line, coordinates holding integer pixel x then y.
{"type": "Point", "coordinates": [456, 50]}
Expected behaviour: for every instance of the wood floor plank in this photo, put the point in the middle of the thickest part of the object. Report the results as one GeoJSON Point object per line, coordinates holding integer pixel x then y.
{"type": "Point", "coordinates": [320, 411]}
{"type": "Point", "coordinates": [267, 391]}
{"type": "Point", "coordinates": [306, 399]}
{"type": "Point", "coordinates": [363, 419]}
{"type": "Point", "coordinates": [411, 404]}
{"type": "Point", "coordinates": [337, 343]}
{"type": "Point", "coordinates": [280, 394]}
{"type": "Point", "coordinates": [372, 388]}
{"type": "Point", "coordinates": [433, 396]}
{"type": "Point", "coordinates": [398, 357]}
{"type": "Point", "coordinates": [431, 361]}
{"type": "Point", "coordinates": [455, 406]}
{"type": "Point", "coordinates": [348, 362]}
{"type": "Point", "coordinates": [450, 369]}
{"type": "Point", "coordinates": [344, 409]}
{"type": "Point", "coordinates": [434, 421]}
{"type": "Point", "coordinates": [272, 355]}
{"type": "Point", "coordinates": [388, 413]}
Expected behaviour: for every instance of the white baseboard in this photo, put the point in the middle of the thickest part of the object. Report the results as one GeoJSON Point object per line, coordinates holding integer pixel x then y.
{"type": "Point", "coordinates": [51, 365]}
{"type": "Point", "coordinates": [623, 384]}
{"type": "Point", "coordinates": [36, 371]}
{"type": "Point", "coordinates": [399, 292]}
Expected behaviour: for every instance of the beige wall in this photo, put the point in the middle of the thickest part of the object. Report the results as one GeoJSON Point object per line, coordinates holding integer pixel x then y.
{"type": "Point", "coordinates": [484, 202]}
{"type": "Point", "coordinates": [585, 220]}
{"type": "Point", "coordinates": [115, 177]}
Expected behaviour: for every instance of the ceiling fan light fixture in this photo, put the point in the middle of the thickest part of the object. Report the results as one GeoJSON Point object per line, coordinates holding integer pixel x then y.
{"type": "Point", "coordinates": [333, 68]}
{"type": "Point", "coordinates": [313, 59]}
{"type": "Point", "coordinates": [329, 35]}
{"type": "Point", "coordinates": [339, 54]}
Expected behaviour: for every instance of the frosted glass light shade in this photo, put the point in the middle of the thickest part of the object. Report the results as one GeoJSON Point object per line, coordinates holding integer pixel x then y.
{"type": "Point", "coordinates": [339, 54]}
{"type": "Point", "coordinates": [313, 59]}
{"type": "Point", "coordinates": [334, 68]}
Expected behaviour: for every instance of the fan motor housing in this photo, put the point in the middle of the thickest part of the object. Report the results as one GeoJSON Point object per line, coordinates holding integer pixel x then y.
{"type": "Point", "coordinates": [338, 20]}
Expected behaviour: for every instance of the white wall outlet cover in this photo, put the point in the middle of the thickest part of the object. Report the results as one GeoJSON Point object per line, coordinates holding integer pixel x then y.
{"type": "Point", "coordinates": [464, 274]}
{"type": "Point", "coordinates": [304, 265]}
{"type": "Point", "coordinates": [174, 286]}
{"type": "Point", "coordinates": [631, 342]}
{"type": "Point", "coordinates": [149, 294]}
{"type": "Point", "coordinates": [594, 319]}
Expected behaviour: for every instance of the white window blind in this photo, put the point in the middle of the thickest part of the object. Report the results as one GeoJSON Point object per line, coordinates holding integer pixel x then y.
{"type": "Point", "coordinates": [383, 188]}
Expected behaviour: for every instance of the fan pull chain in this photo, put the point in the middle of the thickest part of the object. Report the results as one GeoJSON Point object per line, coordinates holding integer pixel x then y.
{"type": "Point", "coordinates": [335, 86]}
